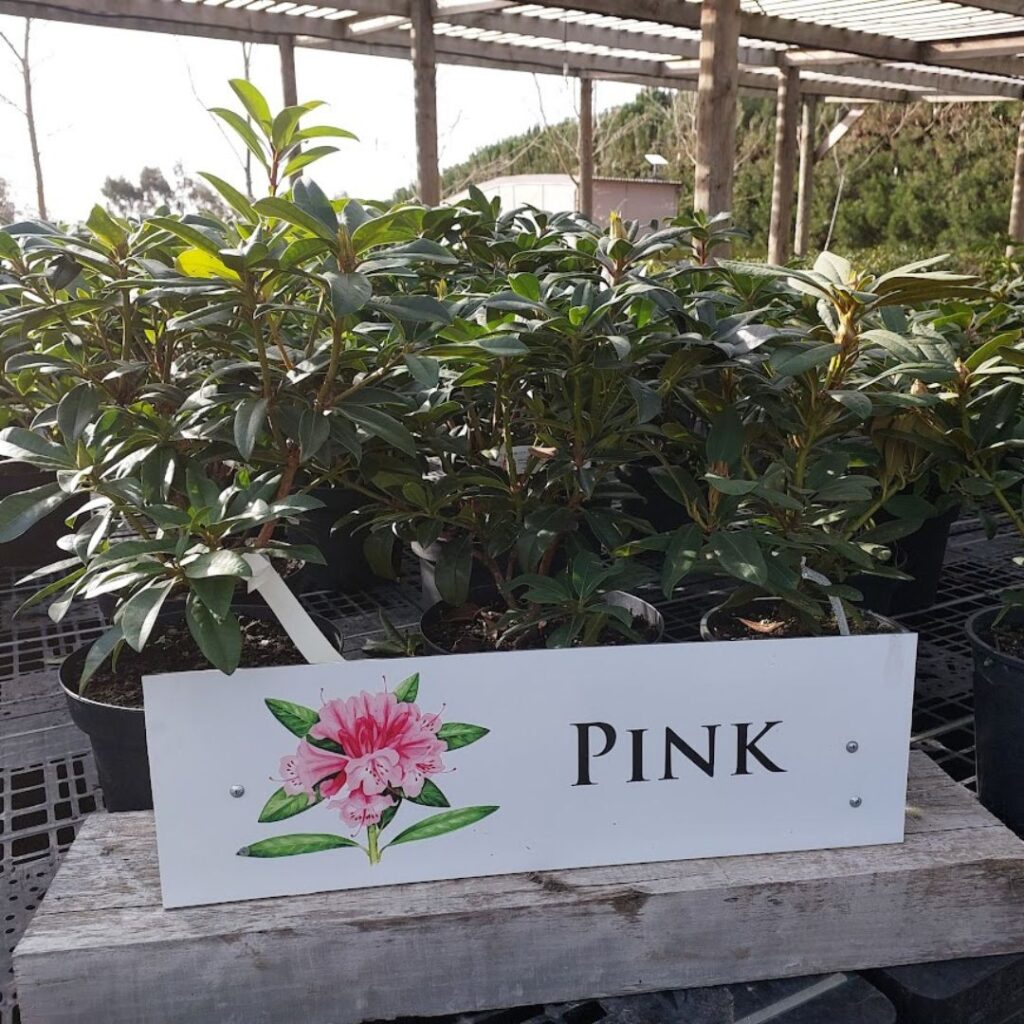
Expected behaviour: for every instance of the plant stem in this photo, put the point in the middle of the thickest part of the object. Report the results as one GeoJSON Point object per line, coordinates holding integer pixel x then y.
{"type": "Point", "coordinates": [372, 850]}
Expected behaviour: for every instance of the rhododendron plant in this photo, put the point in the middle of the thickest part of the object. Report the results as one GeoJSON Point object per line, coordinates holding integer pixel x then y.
{"type": "Point", "coordinates": [365, 755]}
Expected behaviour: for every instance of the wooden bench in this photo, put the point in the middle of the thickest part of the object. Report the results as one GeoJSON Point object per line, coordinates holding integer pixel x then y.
{"type": "Point", "coordinates": [101, 948]}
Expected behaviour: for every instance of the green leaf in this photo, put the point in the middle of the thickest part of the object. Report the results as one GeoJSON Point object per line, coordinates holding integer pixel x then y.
{"type": "Point", "coordinates": [216, 592]}
{"type": "Point", "coordinates": [138, 615]}
{"type": "Point", "coordinates": [253, 100]}
{"type": "Point", "coordinates": [308, 196]}
{"type": "Point", "coordinates": [407, 689]}
{"type": "Point", "coordinates": [25, 446]}
{"type": "Point", "coordinates": [856, 401]}
{"type": "Point", "coordinates": [314, 430]}
{"type": "Point", "coordinates": [439, 824]}
{"type": "Point", "coordinates": [453, 569]}
{"type": "Point", "coordinates": [381, 425]}
{"type": "Point", "coordinates": [525, 285]}
{"type": "Point", "coordinates": [75, 411]}
{"type": "Point", "coordinates": [349, 292]}
{"type": "Point", "coordinates": [218, 563]}
{"type": "Point", "coordinates": [424, 370]}
{"type": "Point", "coordinates": [291, 846]}
{"type": "Point", "coordinates": [203, 264]}
{"type": "Point", "coordinates": [294, 717]}
{"type": "Point", "coordinates": [103, 226]}
{"type": "Point", "coordinates": [240, 203]}
{"type": "Point", "coordinates": [740, 555]}
{"type": "Point", "coordinates": [275, 206]}
{"type": "Point", "coordinates": [430, 796]}
{"type": "Point", "coordinates": [220, 640]}
{"type": "Point", "coordinates": [725, 438]}
{"type": "Point", "coordinates": [101, 649]}
{"type": "Point", "coordinates": [791, 360]}
{"type": "Point", "coordinates": [503, 345]}
{"type": "Point", "coordinates": [307, 157]}
{"type": "Point", "coordinates": [415, 309]}
{"type": "Point", "coordinates": [21, 511]}
{"type": "Point", "coordinates": [680, 556]}
{"type": "Point", "coordinates": [249, 419]}
{"type": "Point", "coordinates": [281, 805]}
{"type": "Point", "coordinates": [460, 734]}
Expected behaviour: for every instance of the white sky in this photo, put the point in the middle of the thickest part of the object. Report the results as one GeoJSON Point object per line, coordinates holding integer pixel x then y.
{"type": "Point", "coordinates": [109, 102]}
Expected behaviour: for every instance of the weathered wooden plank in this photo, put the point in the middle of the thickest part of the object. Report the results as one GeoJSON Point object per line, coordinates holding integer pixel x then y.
{"type": "Point", "coordinates": [780, 220]}
{"type": "Point", "coordinates": [716, 105]}
{"type": "Point", "coordinates": [805, 179]}
{"type": "Point", "coordinates": [585, 148]}
{"type": "Point", "coordinates": [425, 97]}
{"type": "Point", "coordinates": [101, 947]}
{"type": "Point", "coordinates": [1016, 226]}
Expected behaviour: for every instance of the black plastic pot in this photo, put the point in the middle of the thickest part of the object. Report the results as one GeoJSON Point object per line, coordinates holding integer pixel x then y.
{"type": "Point", "coordinates": [347, 569]}
{"type": "Point", "coordinates": [118, 735]}
{"type": "Point", "coordinates": [641, 609]}
{"type": "Point", "coordinates": [998, 720]}
{"type": "Point", "coordinates": [37, 546]}
{"type": "Point", "coordinates": [711, 620]}
{"type": "Point", "coordinates": [920, 554]}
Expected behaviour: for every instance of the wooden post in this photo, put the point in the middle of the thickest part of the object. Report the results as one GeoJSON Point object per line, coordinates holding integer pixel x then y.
{"type": "Point", "coordinates": [1016, 229]}
{"type": "Point", "coordinates": [286, 46]}
{"type": "Point", "coordinates": [716, 105]}
{"type": "Point", "coordinates": [805, 185]}
{"type": "Point", "coordinates": [585, 194]}
{"type": "Point", "coordinates": [786, 109]}
{"type": "Point", "coordinates": [425, 97]}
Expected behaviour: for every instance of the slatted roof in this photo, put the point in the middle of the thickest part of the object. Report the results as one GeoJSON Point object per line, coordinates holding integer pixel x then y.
{"type": "Point", "coordinates": [895, 50]}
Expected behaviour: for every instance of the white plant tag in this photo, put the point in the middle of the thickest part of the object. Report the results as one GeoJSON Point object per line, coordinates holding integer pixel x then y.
{"type": "Point", "coordinates": [312, 644]}
{"type": "Point", "coordinates": [837, 605]}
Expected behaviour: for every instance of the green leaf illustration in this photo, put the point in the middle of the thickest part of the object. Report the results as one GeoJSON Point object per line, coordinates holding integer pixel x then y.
{"type": "Point", "coordinates": [439, 824]}
{"type": "Point", "coordinates": [283, 805]}
{"type": "Point", "coordinates": [430, 796]}
{"type": "Point", "coordinates": [294, 717]}
{"type": "Point", "coordinates": [388, 814]}
{"type": "Point", "coordinates": [460, 734]}
{"type": "Point", "coordinates": [406, 691]}
{"type": "Point", "coordinates": [290, 846]}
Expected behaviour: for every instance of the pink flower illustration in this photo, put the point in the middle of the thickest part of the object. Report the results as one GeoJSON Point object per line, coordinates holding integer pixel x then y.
{"type": "Point", "coordinates": [389, 743]}
{"type": "Point", "coordinates": [310, 765]}
{"type": "Point", "coordinates": [364, 757]}
{"type": "Point", "coordinates": [359, 809]}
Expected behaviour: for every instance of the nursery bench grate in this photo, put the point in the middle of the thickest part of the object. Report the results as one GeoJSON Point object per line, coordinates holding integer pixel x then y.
{"type": "Point", "coordinates": [102, 948]}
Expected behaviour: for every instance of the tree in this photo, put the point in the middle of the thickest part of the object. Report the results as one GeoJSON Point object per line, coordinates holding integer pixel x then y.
{"type": "Point", "coordinates": [23, 60]}
{"type": "Point", "coordinates": [183, 194]}
{"type": "Point", "coordinates": [7, 210]}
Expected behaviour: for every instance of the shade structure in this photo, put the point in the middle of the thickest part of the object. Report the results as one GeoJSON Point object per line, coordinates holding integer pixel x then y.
{"type": "Point", "coordinates": [848, 50]}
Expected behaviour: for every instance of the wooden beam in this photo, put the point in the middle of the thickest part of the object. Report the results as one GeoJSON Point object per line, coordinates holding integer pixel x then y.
{"type": "Point", "coordinates": [780, 224]}
{"type": "Point", "coordinates": [716, 105]}
{"type": "Point", "coordinates": [805, 181]}
{"type": "Point", "coordinates": [425, 97]}
{"type": "Point", "coordinates": [792, 32]}
{"type": "Point", "coordinates": [1016, 227]}
{"type": "Point", "coordinates": [180, 18]}
{"type": "Point", "coordinates": [586, 148]}
{"type": "Point", "coordinates": [289, 86]}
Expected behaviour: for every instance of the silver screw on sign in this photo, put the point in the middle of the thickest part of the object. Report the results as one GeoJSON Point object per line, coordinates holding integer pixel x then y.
{"type": "Point", "coordinates": [237, 790]}
{"type": "Point", "coordinates": [855, 801]}
{"type": "Point", "coordinates": [852, 747]}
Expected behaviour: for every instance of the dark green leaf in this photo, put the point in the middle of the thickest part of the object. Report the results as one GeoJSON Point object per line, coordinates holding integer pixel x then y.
{"type": "Point", "coordinates": [220, 640]}
{"type": "Point", "coordinates": [460, 734]}
{"type": "Point", "coordinates": [740, 555]}
{"type": "Point", "coordinates": [430, 796]}
{"type": "Point", "coordinates": [294, 717]}
{"type": "Point", "coordinates": [282, 805]}
{"type": "Point", "coordinates": [20, 511]}
{"type": "Point", "coordinates": [407, 689]}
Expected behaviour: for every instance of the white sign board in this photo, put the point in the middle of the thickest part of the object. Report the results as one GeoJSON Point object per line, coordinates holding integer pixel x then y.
{"type": "Point", "coordinates": [280, 781]}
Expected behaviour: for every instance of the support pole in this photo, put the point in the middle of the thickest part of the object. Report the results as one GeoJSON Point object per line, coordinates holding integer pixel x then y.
{"type": "Point", "coordinates": [716, 105]}
{"type": "Point", "coordinates": [786, 110]}
{"type": "Point", "coordinates": [425, 96]}
{"type": "Point", "coordinates": [805, 185]}
{"type": "Point", "coordinates": [1016, 229]}
{"type": "Point", "coordinates": [286, 47]}
{"type": "Point", "coordinates": [586, 148]}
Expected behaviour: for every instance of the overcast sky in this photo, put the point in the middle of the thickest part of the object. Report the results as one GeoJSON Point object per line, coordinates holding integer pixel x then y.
{"type": "Point", "coordinates": [109, 102]}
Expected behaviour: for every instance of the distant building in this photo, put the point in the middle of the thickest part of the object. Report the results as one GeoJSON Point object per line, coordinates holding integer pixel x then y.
{"type": "Point", "coordinates": [633, 198]}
